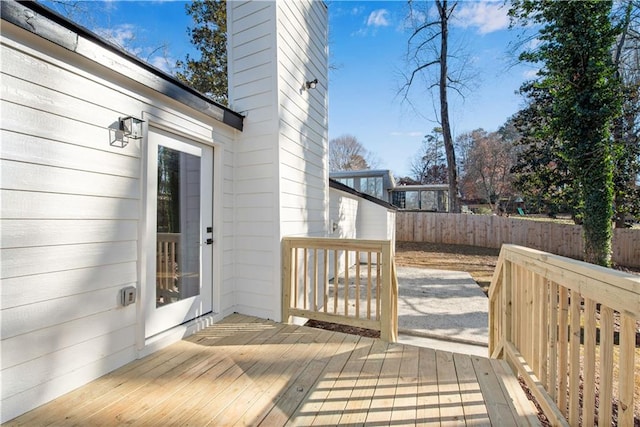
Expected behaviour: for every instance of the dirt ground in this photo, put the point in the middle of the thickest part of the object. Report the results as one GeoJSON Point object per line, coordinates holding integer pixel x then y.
{"type": "Point", "coordinates": [479, 262]}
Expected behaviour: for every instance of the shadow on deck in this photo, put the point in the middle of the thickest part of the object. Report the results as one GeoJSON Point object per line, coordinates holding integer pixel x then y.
{"type": "Point", "coordinates": [248, 371]}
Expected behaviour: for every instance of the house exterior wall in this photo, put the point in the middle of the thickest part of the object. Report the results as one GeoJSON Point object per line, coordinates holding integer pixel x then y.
{"type": "Point", "coordinates": [354, 217]}
{"type": "Point", "coordinates": [376, 222]}
{"type": "Point", "coordinates": [253, 90]}
{"type": "Point", "coordinates": [72, 209]}
{"type": "Point", "coordinates": [343, 214]}
{"type": "Point", "coordinates": [281, 174]}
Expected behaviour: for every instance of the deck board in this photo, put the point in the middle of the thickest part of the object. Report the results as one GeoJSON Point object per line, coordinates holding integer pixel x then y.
{"type": "Point", "coordinates": [248, 371]}
{"type": "Point", "coordinates": [428, 408]}
{"type": "Point", "coordinates": [475, 410]}
{"type": "Point", "coordinates": [384, 393]}
{"type": "Point", "coordinates": [450, 400]}
{"type": "Point", "coordinates": [406, 393]}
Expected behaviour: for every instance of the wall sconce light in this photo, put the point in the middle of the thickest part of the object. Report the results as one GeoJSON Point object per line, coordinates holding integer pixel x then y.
{"type": "Point", "coordinates": [311, 84]}
{"type": "Point", "coordinates": [131, 127]}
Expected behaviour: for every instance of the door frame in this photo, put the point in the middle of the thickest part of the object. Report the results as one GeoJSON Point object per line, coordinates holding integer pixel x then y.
{"type": "Point", "coordinates": [146, 235]}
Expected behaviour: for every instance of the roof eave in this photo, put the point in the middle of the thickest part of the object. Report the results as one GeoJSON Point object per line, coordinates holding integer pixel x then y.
{"type": "Point", "coordinates": [46, 23]}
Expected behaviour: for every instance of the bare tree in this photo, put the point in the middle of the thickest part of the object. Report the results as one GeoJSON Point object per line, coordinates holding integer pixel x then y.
{"type": "Point", "coordinates": [428, 49]}
{"type": "Point", "coordinates": [347, 153]}
{"type": "Point", "coordinates": [488, 166]}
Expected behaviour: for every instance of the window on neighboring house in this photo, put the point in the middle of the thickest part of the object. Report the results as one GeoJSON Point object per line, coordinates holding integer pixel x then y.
{"type": "Point", "coordinates": [398, 199]}
{"type": "Point", "coordinates": [346, 181]}
{"type": "Point", "coordinates": [412, 200]}
{"type": "Point", "coordinates": [428, 201]}
{"type": "Point", "coordinates": [372, 186]}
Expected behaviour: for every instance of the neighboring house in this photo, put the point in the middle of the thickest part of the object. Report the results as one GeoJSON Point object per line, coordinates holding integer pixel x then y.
{"type": "Point", "coordinates": [375, 182]}
{"type": "Point", "coordinates": [427, 197]}
{"type": "Point", "coordinates": [102, 261]}
{"type": "Point", "coordinates": [380, 183]}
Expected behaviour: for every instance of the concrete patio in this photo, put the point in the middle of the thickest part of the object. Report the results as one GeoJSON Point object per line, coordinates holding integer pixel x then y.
{"type": "Point", "coordinates": [442, 309]}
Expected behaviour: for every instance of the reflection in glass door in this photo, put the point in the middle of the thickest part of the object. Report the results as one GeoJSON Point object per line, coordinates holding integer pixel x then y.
{"type": "Point", "coordinates": [178, 226]}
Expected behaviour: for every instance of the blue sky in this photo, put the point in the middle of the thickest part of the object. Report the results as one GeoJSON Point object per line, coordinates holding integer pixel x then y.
{"type": "Point", "coordinates": [368, 42]}
{"type": "Point", "coordinates": [368, 45]}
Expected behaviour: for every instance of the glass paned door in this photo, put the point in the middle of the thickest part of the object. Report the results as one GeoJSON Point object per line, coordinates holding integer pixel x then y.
{"type": "Point", "coordinates": [178, 226]}
{"type": "Point", "coordinates": [180, 191]}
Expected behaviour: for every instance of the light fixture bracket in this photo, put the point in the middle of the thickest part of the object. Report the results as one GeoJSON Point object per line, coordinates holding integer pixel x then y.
{"type": "Point", "coordinates": [311, 84]}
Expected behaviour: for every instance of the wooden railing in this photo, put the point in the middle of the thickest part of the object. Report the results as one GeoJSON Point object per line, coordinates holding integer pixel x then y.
{"type": "Point", "coordinates": [345, 281]}
{"type": "Point", "coordinates": [167, 267]}
{"type": "Point", "coordinates": [569, 329]}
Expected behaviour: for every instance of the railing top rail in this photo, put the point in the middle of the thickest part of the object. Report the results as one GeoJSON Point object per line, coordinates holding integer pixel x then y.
{"type": "Point", "coordinates": [337, 243]}
{"type": "Point", "coordinates": [496, 280]}
{"type": "Point", "coordinates": [169, 237]}
{"type": "Point", "coordinates": [616, 289]}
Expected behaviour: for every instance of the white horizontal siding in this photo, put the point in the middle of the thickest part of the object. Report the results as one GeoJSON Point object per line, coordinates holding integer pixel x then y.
{"type": "Point", "coordinates": [55, 386]}
{"type": "Point", "coordinates": [44, 259]}
{"type": "Point", "coordinates": [252, 89]}
{"type": "Point", "coordinates": [51, 314]}
{"type": "Point", "coordinates": [27, 148]}
{"type": "Point", "coordinates": [54, 285]}
{"type": "Point", "coordinates": [343, 215]}
{"type": "Point", "coordinates": [29, 374]}
{"type": "Point", "coordinates": [46, 179]}
{"type": "Point", "coordinates": [41, 124]}
{"type": "Point", "coordinates": [373, 222]}
{"type": "Point", "coordinates": [27, 233]}
{"type": "Point", "coordinates": [25, 348]}
{"type": "Point", "coordinates": [303, 117]}
{"type": "Point", "coordinates": [29, 205]}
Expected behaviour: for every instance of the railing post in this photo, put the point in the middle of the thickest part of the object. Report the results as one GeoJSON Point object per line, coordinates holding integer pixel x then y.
{"type": "Point", "coordinates": [388, 326]}
{"type": "Point", "coordinates": [286, 280]}
{"type": "Point", "coordinates": [507, 304]}
{"type": "Point", "coordinates": [627, 354]}
{"type": "Point", "coordinates": [394, 300]}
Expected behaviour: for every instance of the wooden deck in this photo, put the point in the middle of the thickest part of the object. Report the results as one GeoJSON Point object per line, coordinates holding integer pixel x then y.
{"type": "Point", "coordinates": [248, 371]}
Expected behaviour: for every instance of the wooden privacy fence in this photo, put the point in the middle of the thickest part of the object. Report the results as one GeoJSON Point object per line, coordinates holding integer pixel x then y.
{"type": "Point", "coordinates": [490, 231]}
{"type": "Point", "coordinates": [565, 325]}
{"type": "Point", "coordinates": [345, 281]}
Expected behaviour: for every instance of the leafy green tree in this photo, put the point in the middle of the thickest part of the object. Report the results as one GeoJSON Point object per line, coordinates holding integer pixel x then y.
{"type": "Point", "coordinates": [208, 74]}
{"type": "Point", "coordinates": [577, 38]}
{"type": "Point", "coordinates": [541, 174]}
